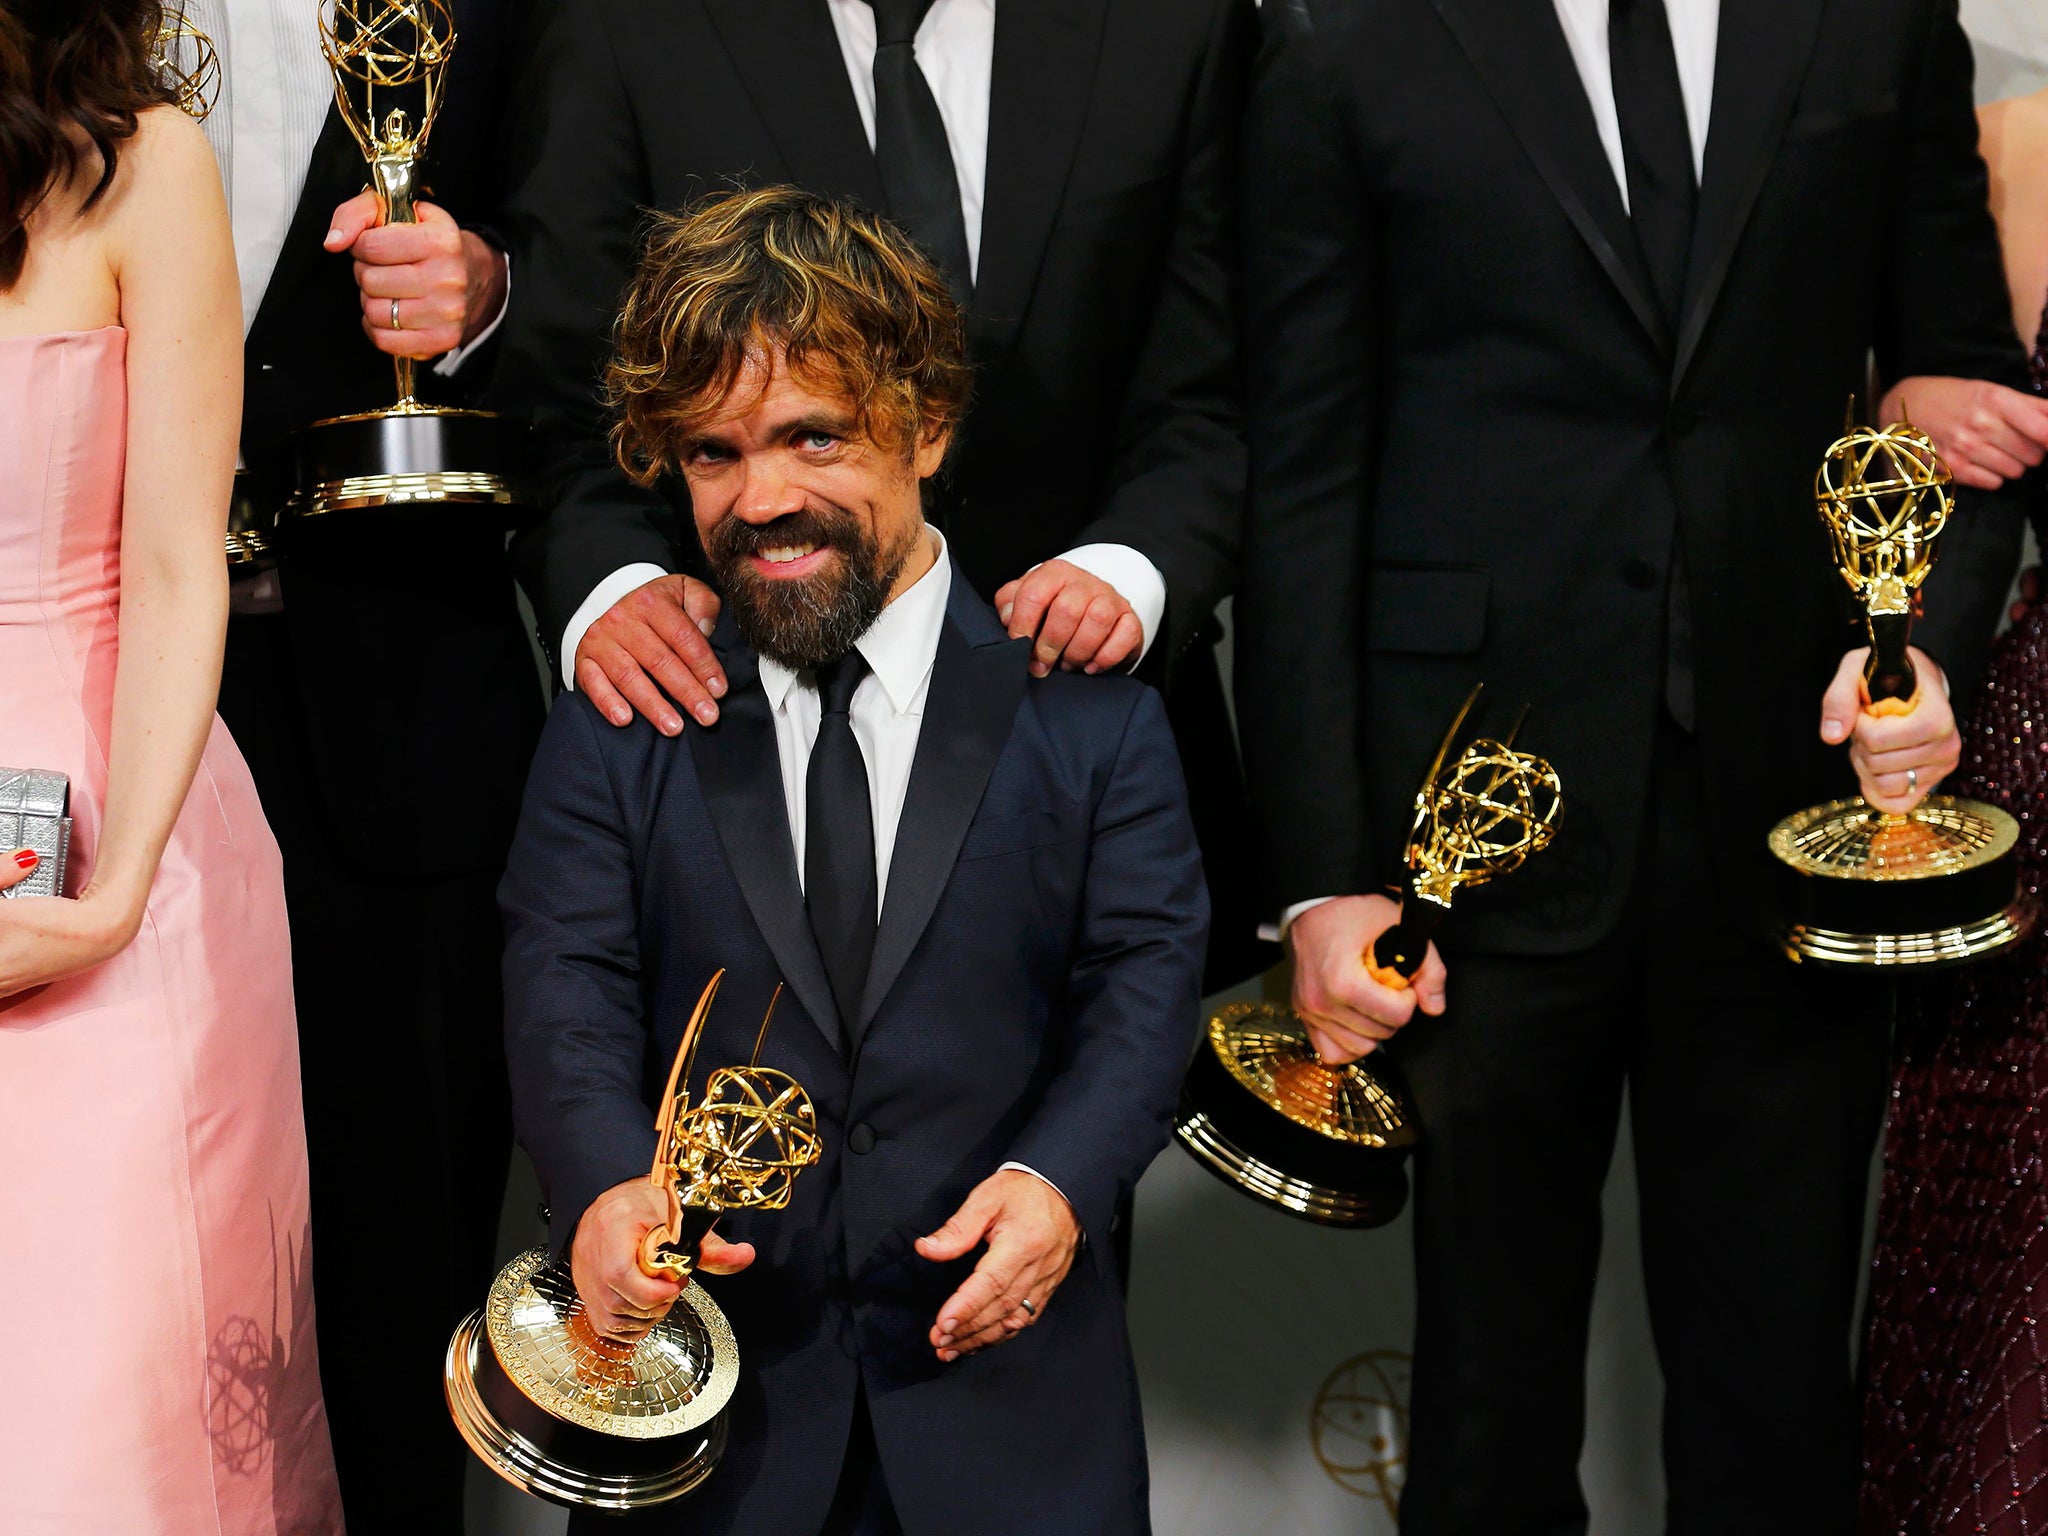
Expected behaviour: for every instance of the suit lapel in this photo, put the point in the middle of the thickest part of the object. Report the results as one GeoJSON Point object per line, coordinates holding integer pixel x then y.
{"type": "Point", "coordinates": [335, 171]}
{"type": "Point", "coordinates": [787, 54]}
{"type": "Point", "coordinates": [978, 680]}
{"type": "Point", "coordinates": [1044, 73]}
{"type": "Point", "coordinates": [1520, 54]}
{"type": "Point", "coordinates": [740, 774]}
{"type": "Point", "coordinates": [1760, 58]}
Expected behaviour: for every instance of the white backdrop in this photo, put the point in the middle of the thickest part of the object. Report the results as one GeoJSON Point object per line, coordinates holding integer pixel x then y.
{"type": "Point", "coordinates": [1273, 1354]}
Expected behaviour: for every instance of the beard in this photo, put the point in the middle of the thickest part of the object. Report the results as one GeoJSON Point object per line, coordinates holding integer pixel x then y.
{"type": "Point", "coordinates": [804, 622]}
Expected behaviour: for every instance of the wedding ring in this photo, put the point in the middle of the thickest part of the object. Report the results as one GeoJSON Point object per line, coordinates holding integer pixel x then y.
{"type": "Point", "coordinates": [1029, 1310]}
{"type": "Point", "coordinates": [1912, 781]}
{"type": "Point", "coordinates": [394, 316]}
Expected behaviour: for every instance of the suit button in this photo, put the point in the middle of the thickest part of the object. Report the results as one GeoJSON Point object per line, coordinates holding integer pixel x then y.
{"type": "Point", "coordinates": [861, 1139]}
{"type": "Point", "coordinates": [1639, 574]}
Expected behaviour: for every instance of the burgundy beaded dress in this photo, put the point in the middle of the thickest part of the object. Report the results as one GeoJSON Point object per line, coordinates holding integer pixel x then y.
{"type": "Point", "coordinates": [1955, 1411]}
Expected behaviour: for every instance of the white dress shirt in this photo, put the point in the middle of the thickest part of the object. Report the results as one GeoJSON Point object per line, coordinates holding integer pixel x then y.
{"type": "Point", "coordinates": [1695, 30]}
{"type": "Point", "coordinates": [956, 49]}
{"type": "Point", "coordinates": [887, 714]}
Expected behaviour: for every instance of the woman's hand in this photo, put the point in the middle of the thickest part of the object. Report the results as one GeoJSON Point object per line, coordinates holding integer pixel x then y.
{"type": "Point", "coordinates": [46, 938]}
{"type": "Point", "coordinates": [1987, 433]}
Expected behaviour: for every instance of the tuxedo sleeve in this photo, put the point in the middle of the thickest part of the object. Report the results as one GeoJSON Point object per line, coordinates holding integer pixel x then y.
{"type": "Point", "coordinates": [1310, 263]}
{"type": "Point", "coordinates": [575, 1034]}
{"type": "Point", "coordinates": [1134, 991]}
{"type": "Point", "coordinates": [1944, 311]}
{"type": "Point", "coordinates": [1176, 486]}
{"type": "Point", "coordinates": [571, 222]}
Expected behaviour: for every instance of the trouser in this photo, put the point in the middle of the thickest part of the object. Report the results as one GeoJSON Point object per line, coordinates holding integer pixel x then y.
{"type": "Point", "coordinates": [408, 1125]}
{"type": "Point", "coordinates": [1755, 1089]}
{"type": "Point", "coordinates": [861, 1505]}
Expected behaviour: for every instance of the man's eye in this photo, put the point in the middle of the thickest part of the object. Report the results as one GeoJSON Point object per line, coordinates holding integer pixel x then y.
{"type": "Point", "coordinates": [816, 441]}
{"type": "Point", "coordinates": [709, 453]}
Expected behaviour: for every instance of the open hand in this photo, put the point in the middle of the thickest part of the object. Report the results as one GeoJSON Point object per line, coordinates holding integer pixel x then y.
{"type": "Point", "coordinates": [449, 282]}
{"type": "Point", "coordinates": [1899, 759]}
{"type": "Point", "coordinates": [1031, 1235]}
{"type": "Point", "coordinates": [1987, 433]}
{"type": "Point", "coordinates": [1081, 622]}
{"type": "Point", "coordinates": [1347, 1013]}
{"type": "Point", "coordinates": [649, 647]}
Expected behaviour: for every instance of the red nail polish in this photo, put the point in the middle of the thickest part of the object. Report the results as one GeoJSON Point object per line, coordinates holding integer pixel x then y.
{"type": "Point", "coordinates": [27, 859]}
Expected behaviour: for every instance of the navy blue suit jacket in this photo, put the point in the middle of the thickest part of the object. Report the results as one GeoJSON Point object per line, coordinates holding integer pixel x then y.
{"type": "Point", "coordinates": [1033, 997]}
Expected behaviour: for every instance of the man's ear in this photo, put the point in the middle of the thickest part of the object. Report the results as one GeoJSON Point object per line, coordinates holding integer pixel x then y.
{"type": "Point", "coordinates": [931, 452]}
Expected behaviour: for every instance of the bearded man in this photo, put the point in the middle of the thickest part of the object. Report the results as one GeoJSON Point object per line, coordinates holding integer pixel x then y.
{"type": "Point", "coordinates": [980, 887]}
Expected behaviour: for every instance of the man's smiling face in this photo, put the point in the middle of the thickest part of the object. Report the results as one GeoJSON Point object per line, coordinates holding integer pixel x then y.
{"type": "Point", "coordinates": [811, 527]}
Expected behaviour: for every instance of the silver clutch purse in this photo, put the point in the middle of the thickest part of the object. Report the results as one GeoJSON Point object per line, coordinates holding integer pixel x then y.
{"type": "Point", "coordinates": [35, 812]}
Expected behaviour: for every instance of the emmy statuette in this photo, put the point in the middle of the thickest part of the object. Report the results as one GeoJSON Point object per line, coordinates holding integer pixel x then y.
{"type": "Point", "coordinates": [581, 1420]}
{"type": "Point", "coordinates": [390, 63]}
{"type": "Point", "coordinates": [1863, 887]}
{"type": "Point", "coordinates": [1268, 1116]}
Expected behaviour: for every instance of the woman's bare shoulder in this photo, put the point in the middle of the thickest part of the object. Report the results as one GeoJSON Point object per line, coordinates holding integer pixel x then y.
{"type": "Point", "coordinates": [166, 161]}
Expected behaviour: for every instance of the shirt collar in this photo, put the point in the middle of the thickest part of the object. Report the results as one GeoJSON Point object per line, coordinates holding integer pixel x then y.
{"type": "Point", "coordinates": [899, 646]}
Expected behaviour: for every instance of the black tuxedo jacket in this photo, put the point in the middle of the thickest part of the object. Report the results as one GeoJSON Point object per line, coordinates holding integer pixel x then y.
{"type": "Point", "coordinates": [1034, 997]}
{"type": "Point", "coordinates": [1476, 445]}
{"type": "Point", "coordinates": [415, 674]}
{"type": "Point", "coordinates": [1102, 324]}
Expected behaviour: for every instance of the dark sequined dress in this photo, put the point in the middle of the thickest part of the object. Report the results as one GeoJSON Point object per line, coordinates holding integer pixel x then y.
{"type": "Point", "coordinates": [1956, 1393]}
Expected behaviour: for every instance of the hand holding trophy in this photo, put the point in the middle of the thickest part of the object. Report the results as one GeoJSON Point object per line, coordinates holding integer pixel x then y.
{"type": "Point", "coordinates": [1268, 1116]}
{"type": "Point", "coordinates": [390, 63]}
{"type": "Point", "coordinates": [1938, 884]}
{"type": "Point", "coordinates": [567, 1414]}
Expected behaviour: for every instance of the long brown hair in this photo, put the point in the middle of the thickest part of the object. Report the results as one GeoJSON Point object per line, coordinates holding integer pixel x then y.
{"type": "Point", "coordinates": [74, 76]}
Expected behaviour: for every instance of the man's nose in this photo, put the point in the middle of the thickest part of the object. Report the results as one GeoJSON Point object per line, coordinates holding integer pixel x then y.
{"type": "Point", "coordinates": [767, 493]}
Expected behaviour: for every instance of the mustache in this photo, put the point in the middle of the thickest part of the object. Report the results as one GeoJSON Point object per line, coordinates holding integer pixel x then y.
{"type": "Point", "coordinates": [735, 538]}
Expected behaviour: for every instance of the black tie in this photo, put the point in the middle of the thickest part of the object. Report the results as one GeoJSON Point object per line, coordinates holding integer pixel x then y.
{"type": "Point", "coordinates": [1663, 196]}
{"type": "Point", "coordinates": [839, 842]}
{"type": "Point", "coordinates": [1656, 144]}
{"type": "Point", "coordinates": [911, 151]}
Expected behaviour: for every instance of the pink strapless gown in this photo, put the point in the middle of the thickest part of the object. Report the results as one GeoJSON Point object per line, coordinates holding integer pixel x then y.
{"type": "Point", "coordinates": [157, 1369]}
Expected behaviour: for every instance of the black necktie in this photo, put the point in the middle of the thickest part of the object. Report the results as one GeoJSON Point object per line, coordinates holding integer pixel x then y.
{"type": "Point", "coordinates": [1663, 196]}
{"type": "Point", "coordinates": [911, 151]}
{"type": "Point", "coordinates": [1656, 144]}
{"type": "Point", "coordinates": [839, 842]}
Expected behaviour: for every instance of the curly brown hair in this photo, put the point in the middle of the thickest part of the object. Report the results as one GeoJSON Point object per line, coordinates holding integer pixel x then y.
{"type": "Point", "coordinates": [74, 77]}
{"type": "Point", "coordinates": [855, 308]}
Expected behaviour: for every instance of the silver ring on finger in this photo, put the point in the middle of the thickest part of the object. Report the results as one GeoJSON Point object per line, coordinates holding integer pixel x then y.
{"type": "Point", "coordinates": [1030, 1311]}
{"type": "Point", "coordinates": [1912, 781]}
{"type": "Point", "coordinates": [394, 316]}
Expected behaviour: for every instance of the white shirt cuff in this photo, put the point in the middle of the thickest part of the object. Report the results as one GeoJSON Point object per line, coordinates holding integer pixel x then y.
{"type": "Point", "coordinates": [1276, 933]}
{"type": "Point", "coordinates": [626, 578]}
{"type": "Point", "coordinates": [1135, 577]}
{"type": "Point", "coordinates": [1048, 1183]}
{"type": "Point", "coordinates": [452, 361]}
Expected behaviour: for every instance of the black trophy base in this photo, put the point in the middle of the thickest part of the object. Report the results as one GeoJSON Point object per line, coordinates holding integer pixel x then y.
{"type": "Point", "coordinates": [565, 1464]}
{"type": "Point", "coordinates": [413, 457]}
{"type": "Point", "coordinates": [1261, 1153]}
{"type": "Point", "coordinates": [1940, 887]}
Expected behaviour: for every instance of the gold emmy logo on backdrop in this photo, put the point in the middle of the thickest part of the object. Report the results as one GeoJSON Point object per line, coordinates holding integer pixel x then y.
{"type": "Point", "coordinates": [390, 63]}
{"type": "Point", "coordinates": [1261, 1110]}
{"type": "Point", "coordinates": [1864, 887]}
{"type": "Point", "coordinates": [1358, 1428]}
{"type": "Point", "coordinates": [561, 1412]}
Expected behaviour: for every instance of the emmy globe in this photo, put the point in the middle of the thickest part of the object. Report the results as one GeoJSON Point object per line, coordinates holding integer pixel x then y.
{"type": "Point", "coordinates": [1938, 885]}
{"type": "Point", "coordinates": [1269, 1117]}
{"type": "Point", "coordinates": [566, 1414]}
